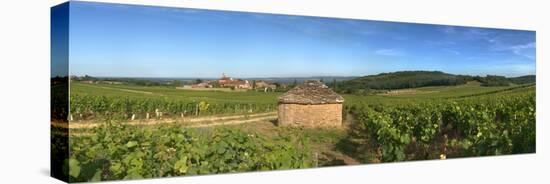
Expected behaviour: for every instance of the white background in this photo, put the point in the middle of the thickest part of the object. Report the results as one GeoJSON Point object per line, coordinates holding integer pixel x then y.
{"type": "Point", "coordinates": [25, 70]}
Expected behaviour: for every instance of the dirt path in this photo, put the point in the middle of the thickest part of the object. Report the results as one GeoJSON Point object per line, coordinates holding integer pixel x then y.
{"type": "Point", "coordinates": [189, 122]}
{"type": "Point", "coordinates": [235, 122]}
{"type": "Point", "coordinates": [341, 157]}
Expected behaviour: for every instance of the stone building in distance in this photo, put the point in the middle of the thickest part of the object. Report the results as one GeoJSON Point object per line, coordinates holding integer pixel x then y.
{"type": "Point", "coordinates": [229, 82]}
{"type": "Point", "coordinates": [311, 104]}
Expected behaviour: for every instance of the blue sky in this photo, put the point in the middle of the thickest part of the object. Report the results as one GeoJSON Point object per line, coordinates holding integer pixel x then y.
{"type": "Point", "coordinates": [143, 41]}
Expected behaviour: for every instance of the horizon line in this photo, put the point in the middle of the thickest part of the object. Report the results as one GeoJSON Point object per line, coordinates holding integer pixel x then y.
{"type": "Point", "coordinates": [309, 76]}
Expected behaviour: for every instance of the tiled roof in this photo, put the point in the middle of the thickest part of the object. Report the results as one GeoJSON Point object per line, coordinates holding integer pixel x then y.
{"type": "Point", "coordinates": [311, 92]}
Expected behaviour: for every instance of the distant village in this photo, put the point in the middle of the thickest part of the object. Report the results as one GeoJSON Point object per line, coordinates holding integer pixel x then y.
{"type": "Point", "coordinates": [230, 82]}
{"type": "Point", "coordinates": [223, 82]}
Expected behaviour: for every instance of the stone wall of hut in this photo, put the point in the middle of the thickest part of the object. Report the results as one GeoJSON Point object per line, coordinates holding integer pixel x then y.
{"type": "Point", "coordinates": [322, 115]}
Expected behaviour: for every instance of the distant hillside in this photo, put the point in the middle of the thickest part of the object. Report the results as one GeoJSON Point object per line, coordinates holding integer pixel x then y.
{"type": "Point", "coordinates": [401, 80]}
{"type": "Point", "coordinates": [415, 79]}
{"type": "Point", "coordinates": [494, 80]}
{"type": "Point", "coordinates": [523, 79]}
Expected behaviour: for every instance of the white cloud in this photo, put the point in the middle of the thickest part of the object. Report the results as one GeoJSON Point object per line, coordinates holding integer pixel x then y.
{"type": "Point", "coordinates": [455, 52]}
{"type": "Point", "coordinates": [524, 46]}
{"type": "Point", "coordinates": [388, 52]}
{"type": "Point", "coordinates": [525, 50]}
{"type": "Point", "coordinates": [439, 43]}
{"type": "Point", "coordinates": [520, 50]}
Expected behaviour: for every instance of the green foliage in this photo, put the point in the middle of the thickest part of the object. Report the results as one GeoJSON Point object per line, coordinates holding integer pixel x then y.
{"type": "Point", "coordinates": [177, 83]}
{"type": "Point", "coordinates": [59, 94]}
{"type": "Point", "coordinates": [124, 152]}
{"type": "Point", "coordinates": [494, 80]}
{"type": "Point", "coordinates": [458, 121]}
{"type": "Point", "coordinates": [203, 106]}
{"type": "Point", "coordinates": [475, 126]}
{"type": "Point", "coordinates": [414, 79]}
{"type": "Point", "coordinates": [523, 79]}
{"type": "Point", "coordinates": [400, 80]}
{"type": "Point", "coordinates": [123, 107]}
{"type": "Point", "coordinates": [74, 167]}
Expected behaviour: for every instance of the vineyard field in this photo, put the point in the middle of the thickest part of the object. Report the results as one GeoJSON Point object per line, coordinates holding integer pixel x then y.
{"type": "Point", "coordinates": [496, 124]}
{"type": "Point", "coordinates": [89, 101]}
{"type": "Point", "coordinates": [434, 123]}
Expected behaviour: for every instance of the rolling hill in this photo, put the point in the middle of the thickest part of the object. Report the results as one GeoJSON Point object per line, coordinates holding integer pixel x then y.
{"type": "Point", "coordinates": [415, 79]}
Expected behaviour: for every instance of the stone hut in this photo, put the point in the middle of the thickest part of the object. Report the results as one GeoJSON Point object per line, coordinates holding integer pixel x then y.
{"type": "Point", "coordinates": [311, 104]}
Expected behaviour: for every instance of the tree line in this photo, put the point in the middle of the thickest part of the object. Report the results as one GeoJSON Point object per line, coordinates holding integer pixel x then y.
{"type": "Point", "coordinates": [415, 79]}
